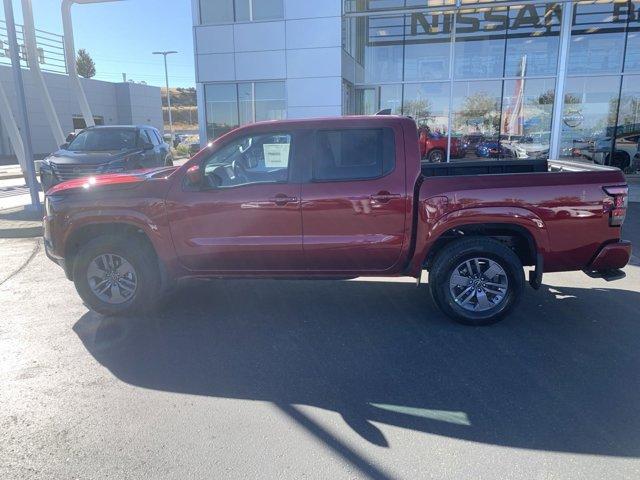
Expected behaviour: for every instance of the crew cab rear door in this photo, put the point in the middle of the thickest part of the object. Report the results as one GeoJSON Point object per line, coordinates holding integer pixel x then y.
{"type": "Point", "coordinates": [354, 199]}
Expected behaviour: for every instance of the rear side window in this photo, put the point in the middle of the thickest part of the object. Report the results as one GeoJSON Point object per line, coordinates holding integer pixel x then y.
{"type": "Point", "coordinates": [354, 154]}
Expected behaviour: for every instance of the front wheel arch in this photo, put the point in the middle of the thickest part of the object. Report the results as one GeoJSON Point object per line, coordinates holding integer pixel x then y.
{"type": "Point", "coordinates": [86, 233]}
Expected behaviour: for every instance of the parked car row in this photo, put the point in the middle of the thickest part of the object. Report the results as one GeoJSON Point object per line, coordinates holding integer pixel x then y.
{"type": "Point", "coordinates": [433, 146]}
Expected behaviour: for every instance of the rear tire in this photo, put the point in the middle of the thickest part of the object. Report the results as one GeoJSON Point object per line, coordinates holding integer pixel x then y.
{"type": "Point", "coordinates": [621, 160]}
{"type": "Point", "coordinates": [117, 275]}
{"type": "Point", "coordinates": [476, 281]}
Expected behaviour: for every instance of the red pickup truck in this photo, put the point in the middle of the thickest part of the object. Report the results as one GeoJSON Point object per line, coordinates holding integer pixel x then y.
{"type": "Point", "coordinates": [337, 198]}
{"type": "Point", "coordinates": [433, 146]}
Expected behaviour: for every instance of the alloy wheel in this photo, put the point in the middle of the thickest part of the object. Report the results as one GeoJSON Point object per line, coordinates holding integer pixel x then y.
{"type": "Point", "coordinates": [478, 284]}
{"type": "Point", "coordinates": [112, 278]}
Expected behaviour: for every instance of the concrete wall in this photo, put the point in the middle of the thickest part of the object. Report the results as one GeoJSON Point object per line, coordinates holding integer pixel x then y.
{"type": "Point", "coordinates": [117, 103]}
{"type": "Point", "coordinates": [304, 49]}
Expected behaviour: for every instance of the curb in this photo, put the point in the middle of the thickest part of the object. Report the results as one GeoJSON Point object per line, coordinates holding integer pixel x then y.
{"type": "Point", "coordinates": [19, 223]}
{"type": "Point", "coordinates": [28, 232]}
{"type": "Point", "coordinates": [10, 176]}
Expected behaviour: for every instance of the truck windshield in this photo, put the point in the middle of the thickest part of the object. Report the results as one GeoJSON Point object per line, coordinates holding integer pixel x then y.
{"type": "Point", "coordinates": [103, 140]}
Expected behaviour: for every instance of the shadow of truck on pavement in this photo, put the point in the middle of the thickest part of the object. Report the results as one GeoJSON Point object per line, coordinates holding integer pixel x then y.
{"type": "Point", "coordinates": [562, 373]}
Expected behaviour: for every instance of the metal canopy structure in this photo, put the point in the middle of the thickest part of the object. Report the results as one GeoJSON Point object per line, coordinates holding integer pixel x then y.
{"type": "Point", "coordinates": [70, 55]}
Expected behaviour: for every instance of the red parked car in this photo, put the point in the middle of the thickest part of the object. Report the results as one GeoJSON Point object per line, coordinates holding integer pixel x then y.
{"type": "Point", "coordinates": [368, 206]}
{"type": "Point", "coordinates": [433, 146]}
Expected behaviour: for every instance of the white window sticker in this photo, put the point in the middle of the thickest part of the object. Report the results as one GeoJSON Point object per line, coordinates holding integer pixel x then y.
{"type": "Point", "coordinates": [276, 155]}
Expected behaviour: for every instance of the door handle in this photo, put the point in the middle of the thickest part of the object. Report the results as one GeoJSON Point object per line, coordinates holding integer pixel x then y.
{"type": "Point", "coordinates": [281, 199]}
{"type": "Point", "coordinates": [384, 197]}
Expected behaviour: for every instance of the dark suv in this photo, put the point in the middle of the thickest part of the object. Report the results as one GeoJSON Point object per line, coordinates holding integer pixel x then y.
{"type": "Point", "coordinates": [112, 149]}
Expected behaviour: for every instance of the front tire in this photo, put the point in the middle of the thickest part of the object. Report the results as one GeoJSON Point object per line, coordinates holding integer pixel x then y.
{"type": "Point", "coordinates": [436, 156]}
{"type": "Point", "coordinates": [116, 276]}
{"type": "Point", "coordinates": [476, 281]}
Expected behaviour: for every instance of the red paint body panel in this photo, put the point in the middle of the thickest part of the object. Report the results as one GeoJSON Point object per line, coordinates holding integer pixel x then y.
{"type": "Point", "coordinates": [340, 228]}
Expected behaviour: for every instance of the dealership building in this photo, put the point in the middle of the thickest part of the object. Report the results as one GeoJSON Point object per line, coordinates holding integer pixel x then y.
{"type": "Point", "coordinates": [521, 79]}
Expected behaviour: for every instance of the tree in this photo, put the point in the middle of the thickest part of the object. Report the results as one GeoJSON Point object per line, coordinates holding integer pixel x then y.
{"type": "Point", "coordinates": [480, 110]}
{"type": "Point", "coordinates": [548, 97]}
{"type": "Point", "coordinates": [85, 65]}
{"type": "Point", "coordinates": [420, 110]}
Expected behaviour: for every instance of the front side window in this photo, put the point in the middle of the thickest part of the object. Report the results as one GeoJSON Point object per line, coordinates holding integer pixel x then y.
{"type": "Point", "coordinates": [152, 138]}
{"type": "Point", "coordinates": [255, 159]}
{"type": "Point", "coordinates": [357, 154]}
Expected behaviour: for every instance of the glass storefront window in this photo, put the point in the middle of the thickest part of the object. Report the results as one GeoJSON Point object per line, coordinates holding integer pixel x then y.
{"type": "Point", "coordinates": [626, 154]}
{"type": "Point", "coordinates": [427, 46]}
{"type": "Point", "coordinates": [480, 43]}
{"type": "Point", "coordinates": [216, 11]}
{"type": "Point", "coordinates": [632, 60]}
{"type": "Point", "coordinates": [245, 103]}
{"type": "Point", "coordinates": [503, 77]}
{"type": "Point", "coordinates": [597, 38]}
{"type": "Point", "coordinates": [533, 40]}
{"type": "Point", "coordinates": [428, 105]}
{"type": "Point", "coordinates": [230, 105]}
{"type": "Point", "coordinates": [476, 119]}
{"type": "Point", "coordinates": [222, 108]}
{"type": "Point", "coordinates": [370, 100]}
{"type": "Point", "coordinates": [589, 117]}
{"type": "Point", "coordinates": [229, 11]}
{"type": "Point", "coordinates": [527, 108]}
{"type": "Point", "coordinates": [382, 39]}
{"type": "Point", "coordinates": [269, 101]}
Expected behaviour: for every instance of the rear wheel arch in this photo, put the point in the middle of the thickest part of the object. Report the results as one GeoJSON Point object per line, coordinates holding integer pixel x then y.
{"type": "Point", "coordinates": [516, 237]}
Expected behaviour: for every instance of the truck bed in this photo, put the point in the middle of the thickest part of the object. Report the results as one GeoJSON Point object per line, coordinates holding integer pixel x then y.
{"type": "Point", "coordinates": [497, 167]}
{"type": "Point", "coordinates": [484, 167]}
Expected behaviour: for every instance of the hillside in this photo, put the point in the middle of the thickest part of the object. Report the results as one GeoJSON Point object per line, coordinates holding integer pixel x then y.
{"type": "Point", "coordinates": [184, 108]}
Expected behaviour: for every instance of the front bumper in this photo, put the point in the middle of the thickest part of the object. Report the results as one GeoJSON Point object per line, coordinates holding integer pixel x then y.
{"type": "Point", "coordinates": [49, 247]}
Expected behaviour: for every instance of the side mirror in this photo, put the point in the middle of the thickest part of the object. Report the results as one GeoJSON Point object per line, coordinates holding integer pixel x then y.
{"type": "Point", "coordinates": [64, 146]}
{"type": "Point", "coordinates": [194, 176]}
{"type": "Point", "coordinates": [147, 146]}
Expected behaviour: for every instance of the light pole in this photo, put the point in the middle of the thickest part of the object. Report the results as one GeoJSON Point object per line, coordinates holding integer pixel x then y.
{"type": "Point", "coordinates": [166, 76]}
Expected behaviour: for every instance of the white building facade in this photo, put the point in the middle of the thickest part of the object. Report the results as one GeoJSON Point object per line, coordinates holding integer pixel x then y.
{"type": "Point", "coordinates": [264, 60]}
{"type": "Point", "coordinates": [497, 79]}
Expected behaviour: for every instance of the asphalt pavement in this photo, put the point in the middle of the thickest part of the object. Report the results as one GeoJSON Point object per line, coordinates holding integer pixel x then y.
{"type": "Point", "coordinates": [317, 379]}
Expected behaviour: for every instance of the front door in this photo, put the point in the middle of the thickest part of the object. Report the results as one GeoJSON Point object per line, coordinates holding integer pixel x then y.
{"type": "Point", "coordinates": [246, 217]}
{"type": "Point", "coordinates": [355, 204]}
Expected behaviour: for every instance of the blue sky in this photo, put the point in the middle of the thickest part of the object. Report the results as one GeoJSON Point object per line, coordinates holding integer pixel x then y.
{"type": "Point", "coordinates": [120, 37]}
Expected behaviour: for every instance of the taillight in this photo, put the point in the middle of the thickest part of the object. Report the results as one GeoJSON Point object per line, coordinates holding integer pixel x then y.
{"type": "Point", "coordinates": [616, 204]}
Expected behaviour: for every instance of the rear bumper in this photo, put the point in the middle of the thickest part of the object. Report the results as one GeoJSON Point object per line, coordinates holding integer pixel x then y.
{"type": "Point", "coordinates": [611, 256]}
